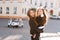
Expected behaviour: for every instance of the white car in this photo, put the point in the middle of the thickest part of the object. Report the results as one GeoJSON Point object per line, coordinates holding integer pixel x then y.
{"type": "Point", "coordinates": [15, 23]}
{"type": "Point", "coordinates": [55, 17]}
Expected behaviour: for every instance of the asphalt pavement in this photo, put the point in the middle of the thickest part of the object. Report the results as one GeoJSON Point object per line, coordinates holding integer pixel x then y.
{"type": "Point", "coordinates": [51, 32]}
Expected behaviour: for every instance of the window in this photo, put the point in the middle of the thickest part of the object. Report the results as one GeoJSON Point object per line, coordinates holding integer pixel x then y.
{"type": "Point", "coordinates": [45, 5]}
{"type": "Point", "coordinates": [35, 3]}
{"type": "Point", "coordinates": [51, 12]}
{"type": "Point", "coordinates": [51, 5]}
{"type": "Point", "coordinates": [7, 10]}
{"type": "Point", "coordinates": [40, 4]}
{"type": "Point", "coordinates": [22, 10]}
{"type": "Point", "coordinates": [25, 10]}
{"type": "Point", "coordinates": [0, 10]}
{"type": "Point", "coordinates": [15, 10]}
{"type": "Point", "coordinates": [31, 1]}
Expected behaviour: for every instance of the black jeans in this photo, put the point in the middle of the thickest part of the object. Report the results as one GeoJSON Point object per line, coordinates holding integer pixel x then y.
{"type": "Point", "coordinates": [37, 37]}
{"type": "Point", "coordinates": [37, 32]}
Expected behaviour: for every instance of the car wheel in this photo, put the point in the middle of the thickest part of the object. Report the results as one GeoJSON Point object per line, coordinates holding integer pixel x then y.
{"type": "Point", "coordinates": [9, 26]}
{"type": "Point", "coordinates": [15, 26]}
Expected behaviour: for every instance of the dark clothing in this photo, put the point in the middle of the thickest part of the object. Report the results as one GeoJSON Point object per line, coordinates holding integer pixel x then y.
{"type": "Point", "coordinates": [37, 36]}
{"type": "Point", "coordinates": [41, 20]}
{"type": "Point", "coordinates": [34, 29]}
{"type": "Point", "coordinates": [32, 26]}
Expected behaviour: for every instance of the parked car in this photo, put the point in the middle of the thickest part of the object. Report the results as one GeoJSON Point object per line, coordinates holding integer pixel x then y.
{"type": "Point", "coordinates": [15, 23]}
{"type": "Point", "coordinates": [55, 17]}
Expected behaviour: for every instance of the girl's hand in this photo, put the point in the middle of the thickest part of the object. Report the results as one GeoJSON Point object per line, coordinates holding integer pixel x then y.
{"type": "Point", "coordinates": [34, 35]}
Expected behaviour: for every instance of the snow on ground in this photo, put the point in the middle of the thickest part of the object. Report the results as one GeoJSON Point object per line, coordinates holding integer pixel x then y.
{"type": "Point", "coordinates": [44, 36]}
{"type": "Point", "coordinates": [50, 36]}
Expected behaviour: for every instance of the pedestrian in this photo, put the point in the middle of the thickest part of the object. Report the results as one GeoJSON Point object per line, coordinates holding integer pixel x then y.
{"type": "Point", "coordinates": [37, 20]}
{"type": "Point", "coordinates": [31, 14]}
{"type": "Point", "coordinates": [41, 19]}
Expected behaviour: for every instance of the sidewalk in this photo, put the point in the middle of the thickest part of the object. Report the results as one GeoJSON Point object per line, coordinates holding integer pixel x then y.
{"type": "Point", "coordinates": [23, 34]}
{"type": "Point", "coordinates": [50, 36]}
{"type": "Point", "coordinates": [44, 36]}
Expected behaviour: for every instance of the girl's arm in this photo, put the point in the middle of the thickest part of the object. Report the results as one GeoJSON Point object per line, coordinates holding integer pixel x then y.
{"type": "Point", "coordinates": [47, 17]}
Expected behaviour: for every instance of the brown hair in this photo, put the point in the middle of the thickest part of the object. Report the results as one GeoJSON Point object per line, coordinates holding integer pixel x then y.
{"type": "Point", "coordinates": [33, 9]}
{"type": "Point", "coordinates": [42, 10]}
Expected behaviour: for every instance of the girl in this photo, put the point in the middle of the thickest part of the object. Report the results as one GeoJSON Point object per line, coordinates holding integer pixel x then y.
{"type": "Point", "coordinates": [37, 20]}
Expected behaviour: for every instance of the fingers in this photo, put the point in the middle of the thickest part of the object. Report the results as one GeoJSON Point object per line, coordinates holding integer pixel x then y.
{"type": "Point", "coordinates": [34, 35]}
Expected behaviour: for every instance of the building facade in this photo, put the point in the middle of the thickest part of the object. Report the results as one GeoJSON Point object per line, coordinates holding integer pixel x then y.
{"type": "Point", "coordinates": [13, 8]}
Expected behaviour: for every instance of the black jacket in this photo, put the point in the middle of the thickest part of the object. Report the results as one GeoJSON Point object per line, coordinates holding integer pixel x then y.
{"type": "Point", "coordinates": [41, 20]}
{"type": "Point", "coordinates": [33, 27]}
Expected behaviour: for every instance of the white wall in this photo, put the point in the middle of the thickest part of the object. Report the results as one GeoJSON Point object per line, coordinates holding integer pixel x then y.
{"type": "Point", "coordinates": [27, 4]}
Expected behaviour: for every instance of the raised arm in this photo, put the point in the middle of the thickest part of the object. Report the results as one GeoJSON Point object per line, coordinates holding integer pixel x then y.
{"type": "Point", "coordinates": [47, 17]}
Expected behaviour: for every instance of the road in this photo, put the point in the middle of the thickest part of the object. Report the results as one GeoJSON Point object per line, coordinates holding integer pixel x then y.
{"type": "Point", "coordinates": [53, 27]}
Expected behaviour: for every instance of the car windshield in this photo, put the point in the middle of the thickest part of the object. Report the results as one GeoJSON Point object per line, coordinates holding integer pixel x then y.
{"type": "Point", "coordinates": [15, 20]}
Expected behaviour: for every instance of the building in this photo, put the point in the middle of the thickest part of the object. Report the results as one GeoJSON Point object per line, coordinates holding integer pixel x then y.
{"type": "Point", "coordinates": [17, 8]}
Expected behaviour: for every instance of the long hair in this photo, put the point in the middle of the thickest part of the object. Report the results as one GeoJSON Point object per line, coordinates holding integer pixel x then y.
{"type": "Point", "coordinates": [38, 10]}
{"type": "Point", "coordinates": [44, 11]}
{"type": "Point", "coordinates": [28, 13]}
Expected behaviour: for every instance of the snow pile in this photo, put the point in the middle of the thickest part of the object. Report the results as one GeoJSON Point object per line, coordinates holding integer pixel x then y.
{"type": "Point", "coordinates": [50, 36]}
